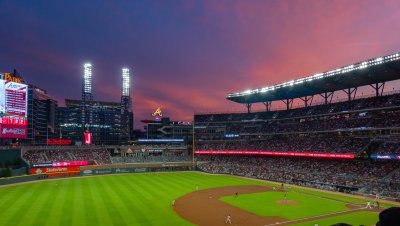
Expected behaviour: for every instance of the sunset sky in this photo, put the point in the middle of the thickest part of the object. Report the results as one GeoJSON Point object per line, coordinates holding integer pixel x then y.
{"type": "Point", "coordinates": [187, 55]}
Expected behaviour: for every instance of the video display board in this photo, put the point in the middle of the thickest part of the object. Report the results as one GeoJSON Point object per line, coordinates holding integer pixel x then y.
{"type": "Point", "coordinates": [13, 109]}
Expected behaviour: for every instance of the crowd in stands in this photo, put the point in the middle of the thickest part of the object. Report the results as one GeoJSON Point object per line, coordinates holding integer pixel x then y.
{"type": "Point", "coordinates": [333, 174]}
{"type": "Point", "coordinates": [293, 143]}
{"type": "Point", "coordinates": [146, 157]}
{"type": "Point", "coordinates": [99, 155]}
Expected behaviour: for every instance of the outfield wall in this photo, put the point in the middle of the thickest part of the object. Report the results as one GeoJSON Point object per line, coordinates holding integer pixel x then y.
{"type": "Point", "coordinates": [135, 168]}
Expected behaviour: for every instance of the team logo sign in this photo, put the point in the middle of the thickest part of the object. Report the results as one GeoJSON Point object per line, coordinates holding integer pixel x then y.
{"type": "Point", "coordinates": [157, 113]}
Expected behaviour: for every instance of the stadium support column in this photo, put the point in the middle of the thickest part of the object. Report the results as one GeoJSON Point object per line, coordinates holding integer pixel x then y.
{"type": "Point", "coordinates": [379, 87]}
{"type": "Point", "coordinates": [288, 103]}
{"type": "Point", "coordinates": [248, 106]}
{"type": "Point", "coordinates": [307, 100]}
{"type": "Point", "coordinates": [351, 93]}
{"type": "Point", "coordinates": [267, 105]}
{"type": "Point", "coordinates": [327, 96]}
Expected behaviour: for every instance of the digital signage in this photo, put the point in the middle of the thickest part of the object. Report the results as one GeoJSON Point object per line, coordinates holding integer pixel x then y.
{"type": "Point", "coordinates": [88, 138]}
{"type": "Point", "coordinates": [13, 109]}
{"type": "Point", "coordinates": [299, 154]}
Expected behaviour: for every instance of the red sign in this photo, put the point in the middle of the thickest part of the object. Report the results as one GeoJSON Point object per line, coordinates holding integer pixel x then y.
{"type": "Point", "coordinates": [74, 163]}
{"type": "Point", "coordinates": [54, 170]}
{"type": "Point", "coordinates": [58, 142]}
{"type": "Point", "coordinates": [12, 131]}
{"type": "Point", "coordinates": [13, 121]}
{"type": "Point", "coordinates": [88, 138]}
{"type": "Point", "coordinates": [303, 154]}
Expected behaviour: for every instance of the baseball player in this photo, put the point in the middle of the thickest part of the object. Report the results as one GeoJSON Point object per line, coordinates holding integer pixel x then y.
{"type": "Point", "coordinates": [228, 219]}
{"type": "Point", "coordinates": [368, 205]}
{"type": "Point", "coordinates": [284, 198]}
{"type": "Point", "coordinates": [173, 202]}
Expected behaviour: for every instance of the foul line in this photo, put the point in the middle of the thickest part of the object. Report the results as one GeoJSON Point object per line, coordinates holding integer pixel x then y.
{"type": "Point", "coordinates": [316, 217]}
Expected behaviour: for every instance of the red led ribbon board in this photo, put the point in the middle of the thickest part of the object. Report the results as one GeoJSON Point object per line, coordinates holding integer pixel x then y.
{"type": "Point", "coordinates": [274, 153]}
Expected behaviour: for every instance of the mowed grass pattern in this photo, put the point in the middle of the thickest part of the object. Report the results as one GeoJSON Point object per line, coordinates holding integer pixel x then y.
{"type": "Point", "coordinates": [126, 199]}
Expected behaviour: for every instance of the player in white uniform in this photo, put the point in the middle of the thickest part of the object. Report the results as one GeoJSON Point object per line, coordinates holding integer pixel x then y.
{"type": "Point", "coordinates": [228, 219]}
{"type": "Point", "coordinates": [368, 205]}
{"type": "Point", "coordinates": [173, 202]}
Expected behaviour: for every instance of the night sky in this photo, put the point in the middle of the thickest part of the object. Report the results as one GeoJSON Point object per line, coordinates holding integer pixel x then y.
{"type": "Point", "coordinates": [187, 55]}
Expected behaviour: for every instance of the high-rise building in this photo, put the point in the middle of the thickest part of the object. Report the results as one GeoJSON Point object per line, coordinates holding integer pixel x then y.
{"type": "Point", "coordinates": [42, 117]}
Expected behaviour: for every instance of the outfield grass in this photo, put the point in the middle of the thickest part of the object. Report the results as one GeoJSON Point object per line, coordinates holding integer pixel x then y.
{"type": "Point", "coordinates": [128, 199]}
{"type": "Point", "coordinates": [145, 199]}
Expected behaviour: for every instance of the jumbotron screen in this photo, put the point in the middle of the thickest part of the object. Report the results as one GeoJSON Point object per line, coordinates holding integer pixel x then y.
{"type": "Point", "coordinates": [13, 109]}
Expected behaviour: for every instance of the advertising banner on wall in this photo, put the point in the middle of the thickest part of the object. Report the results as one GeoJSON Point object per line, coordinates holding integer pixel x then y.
{"type": "Point", "coordinates": [13, 109]}
{"type": "Point", "coordinates": [53, 170]}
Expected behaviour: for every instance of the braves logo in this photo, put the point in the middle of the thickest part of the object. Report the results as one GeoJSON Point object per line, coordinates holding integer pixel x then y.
{"type": "Point", "coordinates": [158, 112]}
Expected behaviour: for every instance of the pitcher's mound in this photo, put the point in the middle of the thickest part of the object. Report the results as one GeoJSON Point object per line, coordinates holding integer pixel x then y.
{"type": "Point", "coordinates": [287, 202]}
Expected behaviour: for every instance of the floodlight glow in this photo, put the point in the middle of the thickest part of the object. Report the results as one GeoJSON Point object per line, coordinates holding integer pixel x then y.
{"type": "Point", "coordinates": [341, 70]}
{"type": "Point", "coordinates": [87, 78]}
{"type": "Point", "coordinates": [125, 82]}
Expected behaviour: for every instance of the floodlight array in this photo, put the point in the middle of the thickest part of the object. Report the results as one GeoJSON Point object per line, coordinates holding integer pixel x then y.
{"type": "Point", "coordinates": [87, 78]}
{"type": "Point", "coordinates": [345, 69]}
{"type": "Point", "coordinates": [125, 82]}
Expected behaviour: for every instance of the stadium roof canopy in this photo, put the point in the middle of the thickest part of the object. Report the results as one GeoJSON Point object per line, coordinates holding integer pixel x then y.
{"type": "Point", "coordinates": [373, 71]}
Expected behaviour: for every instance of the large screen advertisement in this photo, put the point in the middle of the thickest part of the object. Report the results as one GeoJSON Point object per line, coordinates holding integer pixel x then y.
{"type": "Point", "coordinates": [13, 109]}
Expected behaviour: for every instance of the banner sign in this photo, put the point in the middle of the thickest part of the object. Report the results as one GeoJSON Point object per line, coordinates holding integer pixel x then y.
{"type": "Point", "coordinates": [13, 131]}
{"type": "Point", "coordinates": [74, 163]}
{"type": "Point", "coordinates": [88, 138]}
{"type": "Point", "coordinates": [45, 164]}
{"type": "Point", "coordinates": [58, 142]}
{"type": "Point", "coordinates": [300, 154]}
{"type": "Point", "coordinates": [54, 170]}
{"type": "Point", "coordinates": [385, 157]}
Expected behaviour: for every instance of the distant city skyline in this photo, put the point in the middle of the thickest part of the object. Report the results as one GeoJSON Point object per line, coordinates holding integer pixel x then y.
{"type": "Point", "coordinates": [185, 56]}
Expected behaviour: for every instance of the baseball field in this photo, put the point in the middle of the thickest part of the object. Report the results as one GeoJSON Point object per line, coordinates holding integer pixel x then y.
{"type": "Point", "coordinates": [202, 199]}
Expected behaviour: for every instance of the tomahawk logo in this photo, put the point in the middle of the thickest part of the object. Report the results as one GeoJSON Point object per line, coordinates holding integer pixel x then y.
{"type": "Point", "coordinates": [39, 171]}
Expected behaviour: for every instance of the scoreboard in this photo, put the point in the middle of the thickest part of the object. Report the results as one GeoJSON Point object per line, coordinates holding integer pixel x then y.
{"type": "Point", "coordinates": [13, 109]}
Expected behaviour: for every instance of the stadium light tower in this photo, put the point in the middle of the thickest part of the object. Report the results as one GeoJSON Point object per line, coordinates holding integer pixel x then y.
{"type": "Point", "coordinates": [126, 106]}
{"type": "Point", "coordinates": [126, 82]}
{"type": "Point", "coordinates": [87, 97]}
{"type": "Point", "coordinates": [87, 78]}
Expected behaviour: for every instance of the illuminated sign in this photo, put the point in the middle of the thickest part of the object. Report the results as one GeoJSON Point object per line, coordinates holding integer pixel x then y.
{"type": "Point", "coordinates": [88, 138]}
{"type": "Point", "coordinates": [13, 108]}
{"type": "Point", "coordinates": [9, 77]}
{"type": "Point", "coordinates": [385, 156]}
{"type": "Point", "coordinates": [159, 140]}
{"type": "Point", "coordinates": [58, 142]}
{"type": "Point", "coordinates": [231, 135]}
{"type": "Point", "coordinates": [299, 154]}
{"type": "Point", "coordinates": [158, 112]}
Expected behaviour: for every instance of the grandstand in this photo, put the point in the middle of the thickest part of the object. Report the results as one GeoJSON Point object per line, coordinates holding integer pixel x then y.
{"type": "Point", "coordinates": [362, 135]}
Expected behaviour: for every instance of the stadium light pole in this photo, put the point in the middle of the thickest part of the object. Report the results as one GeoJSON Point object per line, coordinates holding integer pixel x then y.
{"type": "Point", "coordinates": [193, 142]}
